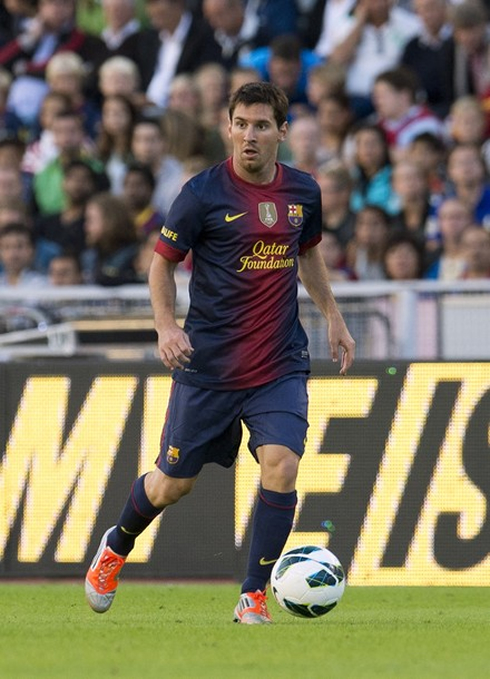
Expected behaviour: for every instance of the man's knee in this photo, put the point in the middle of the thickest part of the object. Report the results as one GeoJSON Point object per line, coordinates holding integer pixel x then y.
{"type": "Point", "coordinates": [279, 468]}
{"type": "Point", "coordinates": [163, 490]}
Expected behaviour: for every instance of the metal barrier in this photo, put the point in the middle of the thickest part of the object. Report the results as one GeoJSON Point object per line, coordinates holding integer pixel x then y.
{"type": "Point", "coordinates": [413, 320]}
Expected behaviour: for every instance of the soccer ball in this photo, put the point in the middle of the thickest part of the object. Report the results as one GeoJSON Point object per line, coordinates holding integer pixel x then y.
{"type": "Point", "coordinates": [308, 581]}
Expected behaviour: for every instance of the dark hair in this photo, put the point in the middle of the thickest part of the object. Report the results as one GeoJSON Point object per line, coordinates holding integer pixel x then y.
{"type": "Point", "coordinates": [431, 140]}
{"type": "Point", "coordinates": [378, 210]}
{"type": "Point", "coordinates": [287, 47]}
{"type": "Point", "coordinates": [261, 93]}
{"type": "Point", "coordinates": [119, 227]}
{"type": "Point", "coordinates": [105, 141]}
{"type": "Point", "coordinates": [17, 229]}
{"type": "Point", "coordinates": [78, 164]}
{"type": "Point", "coordinates": [144, 171]}
{"type": "Point", "coordinates": [371, 127]}
{"type": "Point", "coordinates": [400, 79]}
{"type": "Point", "coordinates": [402, 237]}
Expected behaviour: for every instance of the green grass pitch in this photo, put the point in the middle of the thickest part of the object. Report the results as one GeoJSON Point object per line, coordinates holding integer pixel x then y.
{"type": "Point", "coordinates": [184, 631]}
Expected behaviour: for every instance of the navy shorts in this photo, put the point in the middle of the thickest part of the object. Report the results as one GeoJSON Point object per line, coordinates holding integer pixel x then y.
{"type": "Point", "coordinates": [204, 425]}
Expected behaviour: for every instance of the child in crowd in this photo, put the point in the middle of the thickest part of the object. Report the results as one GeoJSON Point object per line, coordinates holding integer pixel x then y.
{"type": "Point", "coordinates": [17, 257]}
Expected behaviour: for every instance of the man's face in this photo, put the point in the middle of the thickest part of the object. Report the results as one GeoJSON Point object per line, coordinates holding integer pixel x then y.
{"type": "Point", "coordinates": [68, 134]}
{"type": "Point", "coordinates": [284, 73]}
{"type": "Point", "coordinates": [137, 192]}
{"type": "Point", "coordinates": [255, 138]}
{"type": "Point", "coordinates": [223, 15]}
{"type": "Point", "coordinates": [56, 14]}
{"type": "Point", "coordinates": [79, 185]}
{"type": "Point", "coordinates": [117, 13]}
{"type": "Point", "coordinates": [16, 252]}
{"type": "Point", "coordinates": [165, 14]}
{"type": "Point", "coordinates": [147, 144]}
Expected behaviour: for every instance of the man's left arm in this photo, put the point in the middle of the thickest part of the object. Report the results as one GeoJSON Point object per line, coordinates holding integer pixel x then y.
{"type": "Point", "coordinates": [314, 276]}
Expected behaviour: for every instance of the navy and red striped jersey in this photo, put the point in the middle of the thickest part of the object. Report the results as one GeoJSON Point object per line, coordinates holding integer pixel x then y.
{"type": "Point", "coordinates": [245, 238]}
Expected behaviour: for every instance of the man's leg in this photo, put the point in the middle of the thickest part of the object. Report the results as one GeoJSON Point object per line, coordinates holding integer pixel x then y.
{"type": "Point", "coordinates": [149, 496]}
{"type": "Point", "coordinates": [272, 523]}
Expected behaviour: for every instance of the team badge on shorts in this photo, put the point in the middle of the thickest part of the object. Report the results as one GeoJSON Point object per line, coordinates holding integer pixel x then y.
{"type": "Point", "coordinates": [295, 215]}
{"type": "Point", "coordinates": [173, 454]}
{"type": "Point", "coordinates": [268, 214]}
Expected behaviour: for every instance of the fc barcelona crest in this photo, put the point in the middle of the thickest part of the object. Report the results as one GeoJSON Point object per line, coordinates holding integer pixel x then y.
{"type": "Point", "coordinates": [295, 215]}
{"type": "Point", "coordinates": [173, 455]}
{"type": "Point", "coordinates": [268, 214]}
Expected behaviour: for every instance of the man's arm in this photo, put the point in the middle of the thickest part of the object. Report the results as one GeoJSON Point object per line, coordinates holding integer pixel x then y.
{"type": "Point", "coordinates": [314, 276]}
{"type": "Point", "coordinates": [174, 345]}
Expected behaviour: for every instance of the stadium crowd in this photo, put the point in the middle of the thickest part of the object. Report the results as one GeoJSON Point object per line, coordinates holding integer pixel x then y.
{"type": "Point", "coordinates": [108, 106]}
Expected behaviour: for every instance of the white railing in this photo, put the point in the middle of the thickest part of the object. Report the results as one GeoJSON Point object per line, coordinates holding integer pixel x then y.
{"type": "Point", "coordinates": [416, 320]}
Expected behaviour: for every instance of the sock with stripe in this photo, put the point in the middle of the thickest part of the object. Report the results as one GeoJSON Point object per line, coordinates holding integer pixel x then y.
{"type": "Point", "coordinates": [137, 515]}
{"type": "Point", "coordinates": [272, 523]}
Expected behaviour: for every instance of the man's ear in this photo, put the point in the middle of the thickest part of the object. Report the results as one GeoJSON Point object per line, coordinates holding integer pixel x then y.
{"type": "Point", "coordinates": [283, 131]}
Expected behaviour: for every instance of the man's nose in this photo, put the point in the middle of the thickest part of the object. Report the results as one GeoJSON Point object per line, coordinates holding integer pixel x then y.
{"type": "Point", "coordinates": [249, 133]}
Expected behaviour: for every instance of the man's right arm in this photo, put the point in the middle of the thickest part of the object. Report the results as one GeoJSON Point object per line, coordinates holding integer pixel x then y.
{"type": "Point", "coordinates": [174, 346]}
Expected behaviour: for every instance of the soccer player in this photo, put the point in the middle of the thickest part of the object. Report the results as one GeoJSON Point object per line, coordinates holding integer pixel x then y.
{"type": "Point", "coordinates": [253, 225]}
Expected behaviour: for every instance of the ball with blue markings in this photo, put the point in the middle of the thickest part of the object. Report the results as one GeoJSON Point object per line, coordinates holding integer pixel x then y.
{"type": "Point", "coordinates": [308, 581]}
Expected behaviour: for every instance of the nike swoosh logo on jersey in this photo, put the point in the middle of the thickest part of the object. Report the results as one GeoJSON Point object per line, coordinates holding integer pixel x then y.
{"type": "Point", "coordinates": [266, 562]}
{"type": "Point", "coordinates": [231, 218]}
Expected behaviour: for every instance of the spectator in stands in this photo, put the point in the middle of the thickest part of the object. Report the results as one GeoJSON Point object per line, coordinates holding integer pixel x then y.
{"type": "Point", "coordinates": [475, 245]}
{"type": "Point", "coordinates": [364, 253]}
{"type": "Point", "coordinates": [65, 74]}
{"type": "Point", "coordinates": [114, 138]}
{"type": "Point", "coordinates": [426, 55]}
{"type": "Point", "coordinates": [239, 27]}
{"type": "Point", "coordinates": [112, 242]}
{"type": "Point", "coordinates": [139, 187]}
{"type": "Point", "coordinates": [119, 75]}
{"type": "Point", "coordinates": [411, 186]}
{"type": "Point", "coordinates": [466, 171]}
{"type": "Point", "coordinates": [234, 35]}
{"type": "Point", "coordinates": [400, 118]}
{"type": "Point", "coordinates": [144, 256]}
{"type": "Point", "coordinates": [9, 120]}
{"type": "Point", "coordinates": [322, 22]}
{"type": "Point", "coordinates": [212, 83]}
{"type": "Point", "coordinates": [335, 119]}
{"type": "Point", "coordinates": [466, 124]}
{"type": "Point", "coordinates": [177, 42]}
{"type": "Point", "coordinates": [120, 25]}
{"type": "Point", "coordinates": [17, 257]}
{"type": "Point", "coordinates": [50, 31]}
{"type": "Point", "coordinates": [184, 96]}
{"type": "Point", "coordinates": [448, 264]}
{"type": "Point", "coordinates": [429, 152]}
{"type": "Point", "coordinates": [467, 70]}
{"type": "Point", "coordinates": [368, 41]}
{"type": "Point", "coordinates": [285, 64]}
{"type": "Point", "coordinates": [336, 186]}
{"type": "Point", "coordinates": [372, 170]}
{"type": "Point", "coordinates": [240, 75]}
{"type": "Point", "coordinates": [66, 228]}
{"type": "Point", "coordinates": [11, 185]}
{"type": "Point", "coordinates": [65, 269]}
{"type": "Point", "coordinates": [42, 150]}
{"type": "Point", "coordinates": [149, 147]}
{"type": "Point", "coordinates": [334, 256]}
{"type": "Point", "coordinates": [324, 80]}
{"type": "Point", "coordinates": [403, 257]}
{"type": "Point", "coordinates": [13, 18]}
{"type": "Point", "coordinates": [303, 141]}
{"type": "Point", "coordinates": [72, 145]}
{"type": "Point", "coordinates": [14, 209]}
{"type": "Point", "coordinates": [185, 136]}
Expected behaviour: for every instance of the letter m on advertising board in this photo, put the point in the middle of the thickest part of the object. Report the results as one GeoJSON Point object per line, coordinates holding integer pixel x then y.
{"type": "Point", "coordinates": [45, 469]}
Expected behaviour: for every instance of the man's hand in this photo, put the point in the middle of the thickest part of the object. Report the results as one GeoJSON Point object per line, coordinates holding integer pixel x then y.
{"type": "Point", "coordinates": [341, 342]}
{"type": "Point", "coordinates": [174, 347]}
